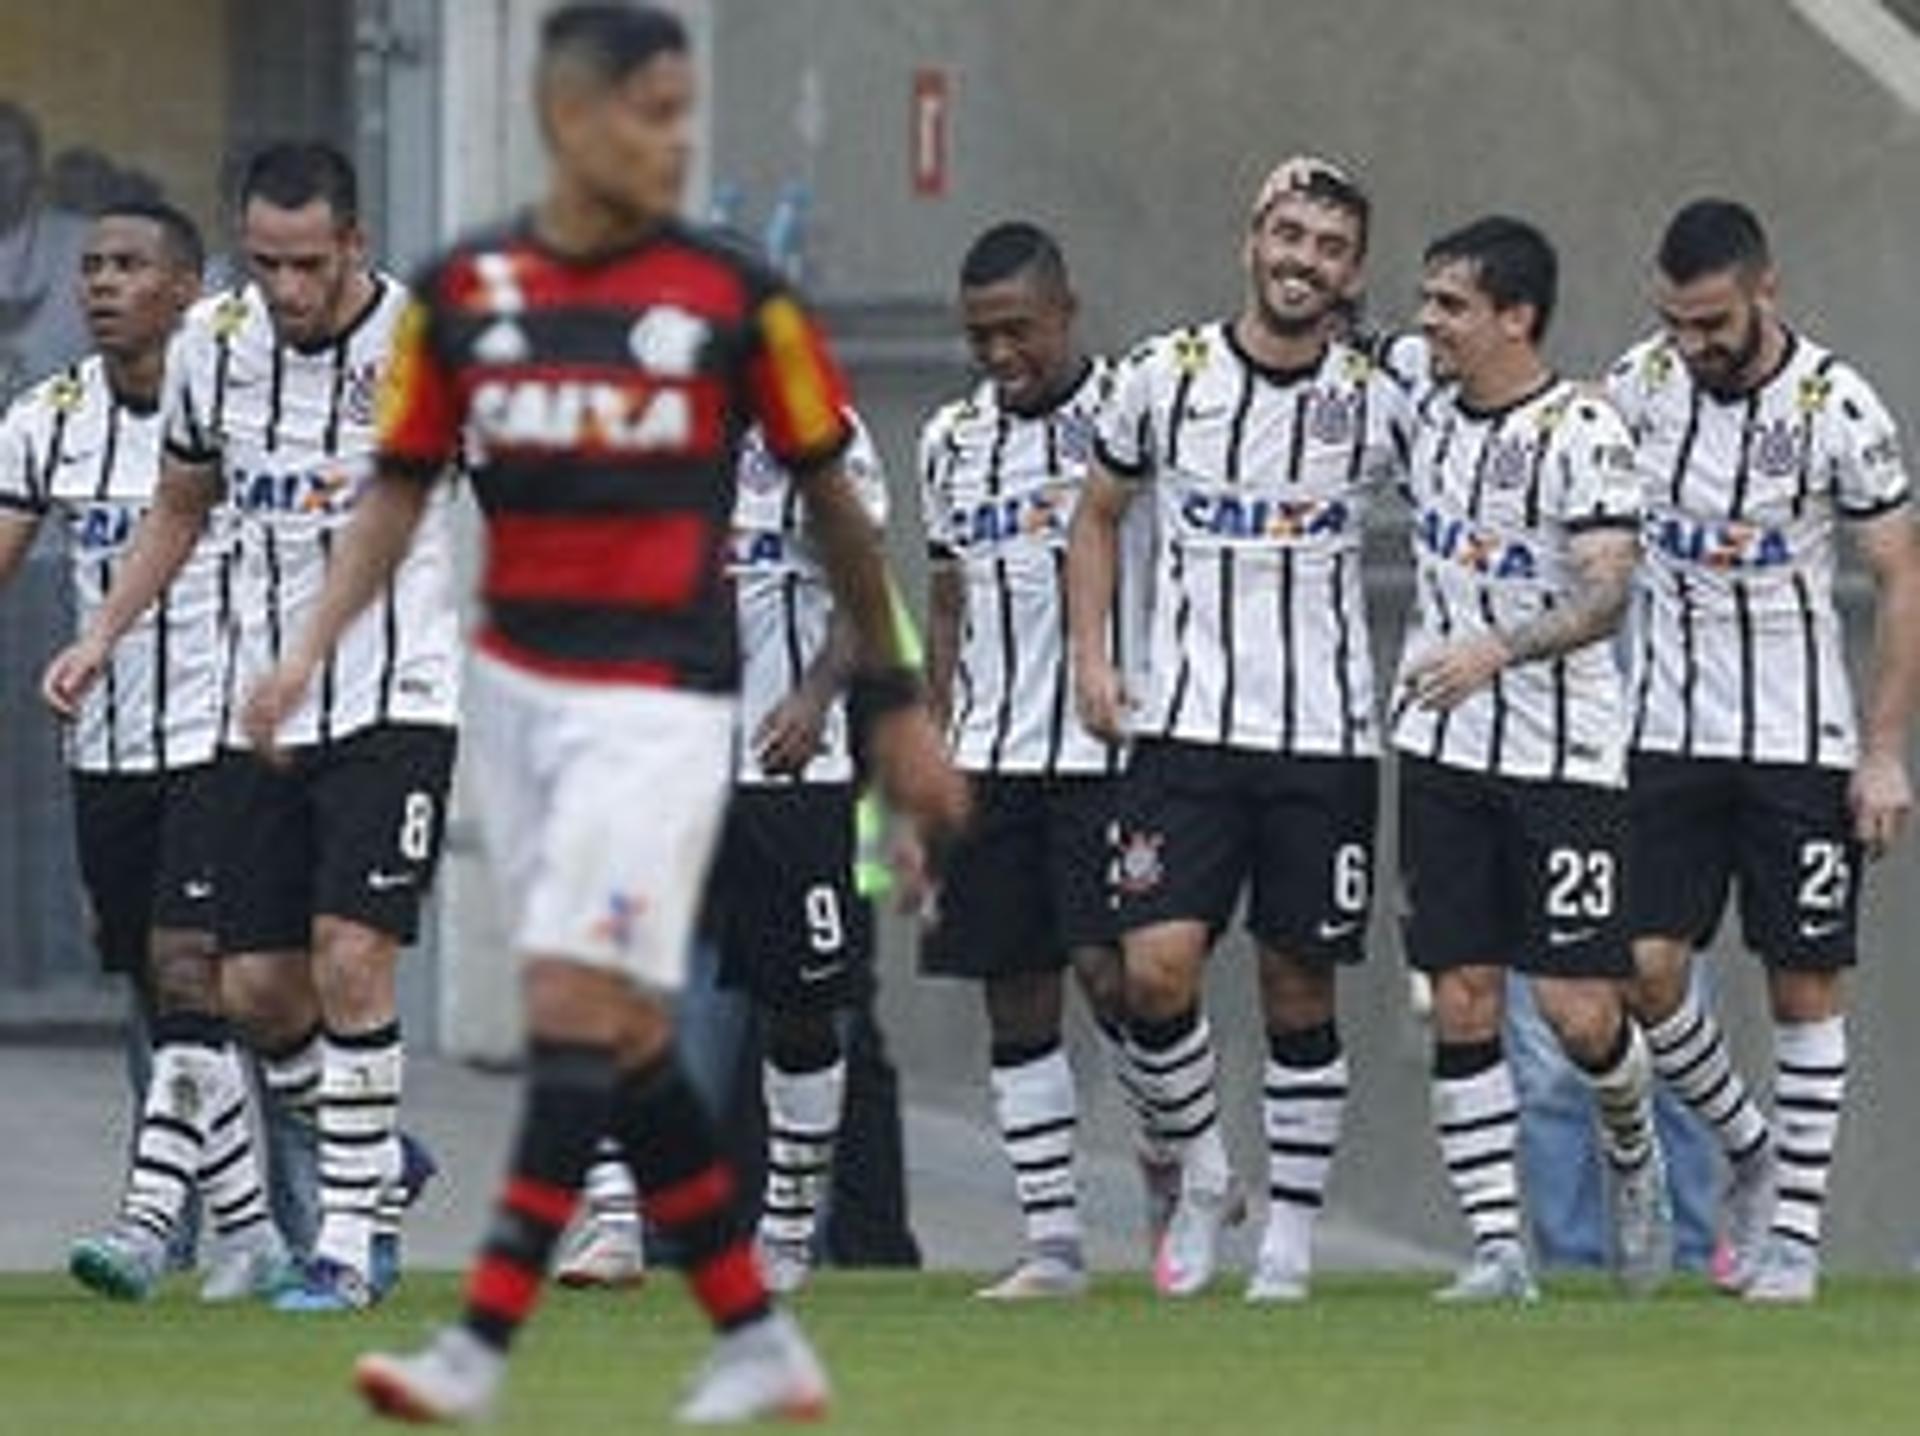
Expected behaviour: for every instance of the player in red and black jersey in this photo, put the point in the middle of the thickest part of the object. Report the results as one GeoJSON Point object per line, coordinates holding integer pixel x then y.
{"type": "Point", "coordinates": [596, 365]}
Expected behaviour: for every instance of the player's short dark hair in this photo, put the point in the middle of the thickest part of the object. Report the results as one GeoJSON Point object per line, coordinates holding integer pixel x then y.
{"type": "Point", "coordinates": [1012, 248]}
{"type": "Point", "coordinates": [292, 174]}
{"type": "Point", "coordinates": [1711, 235]}
{"type": "Point", "coordinates": [1319, 180]}
{"type": "Point", "coordinates": [611, 41]}
{"type": "Point", "coordinates": [1513, 263]}
{"type": "Point", "coordinates": [178, 233]}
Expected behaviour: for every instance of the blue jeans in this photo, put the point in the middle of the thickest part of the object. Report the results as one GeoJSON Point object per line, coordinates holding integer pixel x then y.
{"type": "Point", "coordinates": [1563, 1172]}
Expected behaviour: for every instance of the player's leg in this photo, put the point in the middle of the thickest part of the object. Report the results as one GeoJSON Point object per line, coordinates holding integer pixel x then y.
{"type": "Point", "coordinates": [1799, 873]}
{"type": "Point", "coordinates": [1312, 886]}
{"type": "Point", "coordinates": [1680, 864]}
{"type": "Point", "coordinates": [1572, 841]}
{"type": "Point", "coordinates": [1453, 869]}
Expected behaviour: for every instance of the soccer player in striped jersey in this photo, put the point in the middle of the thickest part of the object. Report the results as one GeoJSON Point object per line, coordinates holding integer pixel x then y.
{"type": "Point", "coordinates": [1259, 440]}
{"type": "Point", "coordinates": [1509, 721]}
{"type": "Point", "coordinates": [83, 449]}
{"type": "Point", "coordinates": [791, 930]}
{"type": "Point", "coordinates": [1749, 765]}
{"type": "Point", "coordinates": [601, 359]}
{"type": "Point", "coordinates": [1021, 895]}
{"type": "Point", "coordinates": [326, 857]}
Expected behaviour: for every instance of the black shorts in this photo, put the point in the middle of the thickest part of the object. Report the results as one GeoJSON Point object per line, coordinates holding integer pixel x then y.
{"type": "Point", "coordinates": [1201, 824]}
{"type": "Point", "coordinates": [146, 857]}
{"type": "Point", "coordinates": [351, 829]}
{"type": "Point", "coordinates": [1027, 883]}
{"type": "Point", "coordinates": [1520, 872]}
{"type": "Point", "coordinates": [1784, 830]}
{"type": "Point", "coordinates": [780, 900]}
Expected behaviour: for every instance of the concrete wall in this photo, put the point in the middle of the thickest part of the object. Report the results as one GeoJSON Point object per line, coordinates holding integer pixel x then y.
{"type": "Point", "coordinates": [1137, 129]}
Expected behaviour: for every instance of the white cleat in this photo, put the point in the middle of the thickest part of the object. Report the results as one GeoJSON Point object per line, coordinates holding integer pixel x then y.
{"type": "Point", "coordinates": [454, 1381]}
{"type": "Point", "coordinates": [602, 1252]}
{"type": "Point", "coordinates": [1643, 1224]}
{"type": "Point", "coordinates": [1499, 1272]}
{"type": "Point", "coordinates": [1190, 1250]}
{"type": "Point", "coordinates": [765, 1371]}
{"type": "Point", "coordinates": [1043, 1276]}
{"type": "Point", "coordinates": [1787, 1273]}
{"type": "Point", "coordinates": [1747, 1214]}
{"type": "Point", "coordinates": [1279, 1278]}
{"type": "Point", "coordinates": [785, 1266]}
{"type": "Point", "coordinates": [254, 1266]}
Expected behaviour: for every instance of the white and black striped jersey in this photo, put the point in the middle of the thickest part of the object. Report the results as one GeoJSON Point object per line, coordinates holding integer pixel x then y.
{"type": "Point", "coordinates": [784, 601]}
{"type": "Point", "coordinates": [73, 451]}
{"type": "Point", "coordinates": [1261, 480]}
{"type": "Point", "coordinates": [1737, 646]}
{"type": "Point", "coordinates": [998, 491]}
{"type": "Point", "coordinates": [1498, 495]}
{"type": "Point", "coordinates": [292, 433]}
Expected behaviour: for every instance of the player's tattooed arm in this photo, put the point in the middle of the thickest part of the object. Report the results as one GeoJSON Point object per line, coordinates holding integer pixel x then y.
{"type": "Point", "coordinates": [1602, 562]}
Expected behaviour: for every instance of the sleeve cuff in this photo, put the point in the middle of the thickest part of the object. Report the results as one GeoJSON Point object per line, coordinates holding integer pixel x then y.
{"type": "Point", "coordinates": [1127, 469]}
{"type": "Point", "coordinates": [1874, 510]}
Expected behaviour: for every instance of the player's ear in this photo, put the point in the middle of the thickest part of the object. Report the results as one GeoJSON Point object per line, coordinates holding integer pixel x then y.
{"type": "Point", "coordinates": [1766, 289]}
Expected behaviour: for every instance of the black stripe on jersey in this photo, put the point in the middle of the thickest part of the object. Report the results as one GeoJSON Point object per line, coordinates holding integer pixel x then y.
{"type": "Point", "coordinates": [1689, 663]}
{"type": "Point", "coordinates": [389, 646]}
{"type": "Point", "coordinates": [111, 692]}
{"type": "Point", "coordinates": [1743, 471]}
{"type": "Point", "coordinates": [1445, 616]}
{"type": "Point", "coordinates": [790, 598]}
{"type": "Point", "coordinates": [1342, 654]}
{"type": "Point", "coordinates": [1540, 447]}
{"type": "Point", "coordinates": [229, 630]}
{"type": "Point", "coordinates": [1743, 624]}
{"type": "Point", "coordinates": [273, 591]}
{"type": "Point", "coordinates": [1177, 411]}
{"type": "Point", "coordinates": [56, 441]}
{"type": "Point", "coordinates": [1684, 454]}
{"type": "Point", "coordinates": [276, 397]}
{"type": "Point", "coordinates": [1236, 437]}
{"type": "Point", "coordinates": [1057, 717]}
{"type": "Point", "coordinates": [1289, 644]}
{"type": "Point", "coordinates": [1182, 617]}
{"type": "Point", "coordinates": [1116, 644]}
{"type": "Point", "coordinates": [103, 483]}
{"type": "Point", "coordinates": [1557, 675]}
{"type": "Point", "coordinates": [162, 619]}
{"type": "Point", "coordinates": [1810, 655]}
{"type": "Point", "coordinates": [1003, 594]}
{"type": "Point", "coordinates": [328, 677]}
{"type": "Point", "coordinates": [1640, 698]}
{"type": "Point", "coordinates": [1477, 489]}
{"type": "Point", "coordinates": [1803, 481]}
{"type": "Point", "coordinates": [330, 436]}
{"type": "Point", "coordinates": [1497, 734]}
{"type": "Point", "coordinates": [222, 368]}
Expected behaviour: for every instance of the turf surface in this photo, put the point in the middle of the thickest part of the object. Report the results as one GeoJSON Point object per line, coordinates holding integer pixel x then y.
{"type": "Point", "coordinates": [912, 1356]}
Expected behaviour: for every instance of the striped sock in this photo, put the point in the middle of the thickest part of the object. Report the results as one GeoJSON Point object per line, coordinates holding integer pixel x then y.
{"type": "Point", "coordinates": [803, 1122]}
{"type": "Point", "coordinates": [1477, 1116]}
{"type": "Point", "coordinates": [1148, 1142]}
{"type": "Point", "coordinates": [360, 1083]}
{"type": "Point", "coordinates": [1690, 1055]}
{"type": "Point", "coordinates": [1809, 1092]}
{"type": "Point", "coordinates": [568, 1104]}
{"type": "Point", "coordinates": [182, 1091]}
{"type": "Point", "coordinates": [1177, 1069]}
{"type": "Point", "coordinates": [293, 1076]}
{"type": "Point", "coordinates": [688, 1191]}
{"type": "Point", "coordinates": [230, 1180]}
{"type": "Point", "coordinates": [1623, 1094]}
{"type": "Point", "coordinates": [1305, 1102]}
{"type": "Point", "coordinates": [1034, 1107]}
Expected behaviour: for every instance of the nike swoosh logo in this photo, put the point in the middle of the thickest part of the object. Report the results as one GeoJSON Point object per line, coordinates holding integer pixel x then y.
{"type": "Point", "coordinates": [1567, 937]}
{"type": "Point", "coordinates": [811, 975]}
{"type": "Point", "coordinates": [1814, 931]}
{"type": "Point", "coordinates": [1334, 931]}
{"type": "Point", "coordinates": [385, 882]}
{"type": "Point", "coordinates": [197, 892]}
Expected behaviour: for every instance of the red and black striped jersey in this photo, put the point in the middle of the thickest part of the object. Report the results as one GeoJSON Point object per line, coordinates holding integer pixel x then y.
{"type": "Point", "coordinates": [600, 405]}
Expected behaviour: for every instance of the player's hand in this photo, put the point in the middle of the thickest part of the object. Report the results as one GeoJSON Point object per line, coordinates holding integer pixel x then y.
{"type": "Point", "coordinates": [271, 703]}
{"type": "Point", "coordinates": [913, 879]}
{"type": "Point", "coordinates": [1450, 674]}
{"type": "Point", "coordinates": [74, 670]}
{"type": "Point", "coordinates": [789, 736]}
{"type": "Point", "coordinates": [1101, 698]}
{"type": "Point", "coordinates": [916, 777]}
{"type": "Point", "coordinates": [1881, 796]}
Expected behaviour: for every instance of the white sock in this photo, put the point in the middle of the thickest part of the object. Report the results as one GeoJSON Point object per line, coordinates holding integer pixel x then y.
{"type": "Point", "coordinates": [803, 1122]}
{"type": "Point", "coordinates": [360, 1084]}
{"type": "Point", "coordinates": [1148, 1142]}
{"type": "Point", "coordinates": [1478, 1120]}
{"type": "Point", "coordinates": [1690, 1055]}
{"type": "Point", "coordinates": [1035, 1105]}
{"type": "Point", "coordinates": [230, 1180]}
{"type": "Point", "coordinates": [1624, 1097]}
{"type": "Point", "coordinates": [167, 1149]}
{"type": "Point", "coordinates": [1178, 1082]}
{"type": "Point", "coordinates": [1303, 1110]}
{"type": "Point", "coordinates": [1809, 1091]}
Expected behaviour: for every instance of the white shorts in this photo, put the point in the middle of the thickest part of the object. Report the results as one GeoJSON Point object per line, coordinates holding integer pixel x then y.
{"type": "Point", "coordinates": [601, 805]}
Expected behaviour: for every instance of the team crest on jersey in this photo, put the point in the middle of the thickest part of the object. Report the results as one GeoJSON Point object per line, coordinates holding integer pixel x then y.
{"type": "Point", "coordinates": [1480, 551]}
{"type": "Point", "coordinates": [668, 340]}
{"type": "Point", "coordinates": [360, 393]}
{"type": "Point", "coordinates": [1332, 415]}
{"type": "Point", "coordinates": [183, 1098]}
{"type": "Point", "coordinates": [759, 472]}
{"type": "Point", "coordinates": [1510, 464]}
{"type": "Point", "coordinates": [1073, 431]}
{"type": "Point", "coordinates": [1777, 448]}
{"type": "Point", "coordinates": [1721, 547]}
{"type": "Point", "coordinates": [1138, 867]}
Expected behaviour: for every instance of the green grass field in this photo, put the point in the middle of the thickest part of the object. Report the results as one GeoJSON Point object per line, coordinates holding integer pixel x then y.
{"type": "Point", "coordinates": [912, 1356]}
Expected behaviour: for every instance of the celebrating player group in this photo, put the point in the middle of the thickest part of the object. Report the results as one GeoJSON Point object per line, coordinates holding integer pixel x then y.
{"type": "Point", "coordinates": [1148, 705]}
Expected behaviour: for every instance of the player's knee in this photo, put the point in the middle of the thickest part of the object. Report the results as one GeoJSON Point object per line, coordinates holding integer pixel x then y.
{"type": "Point", "coordinates": [1024, 1008]}
{"type": "Point", "coordinates": [1585, 1016]}
{"type": "Point", "coordinates": [1103, 983]}
{"type": "Point", "coordinates": [270, 997]}
{"type": "Point", "coordinates": [1468, 1005]}
{"type": "Point", "coordinates": [353, 969]}
{"type": "Point", "coordinates": [1662, 970]}
{"type": "Point", "coordinates": [184, 973]}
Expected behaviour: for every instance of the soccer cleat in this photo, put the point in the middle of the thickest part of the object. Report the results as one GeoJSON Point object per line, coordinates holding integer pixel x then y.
{"type": "Point", "coordinates": [252, 1266]}
{"type": "Point", "coordinates": [1189, 1251]}
{"type": "Point", "coordinates": [784, 1265]}
{"type": "Point", "coordinates": [124, 1263]}
{"type": "Point", "coordinates": [456, 1379]}
{"type": "Point", "coordinates": [1747, 1212]}
{"type": "Point", "coordinates": [1787, 1273]}
{"type": "Point", "coordinates": [417, 1169]}
{"type": "Point", "coordinates": [1160, 1181]}
{"type": "Point", "coordinates": [603, 1252]}
{"type": "Point", "coordinates": [1498, 1272]}
{"type": "Point", "coordinates": [762, 1371]}
{"type": "Point", "coordinates": [1279, 1276]}
{"type": "Point", "coordinates": [1642, 1224]}
{"type": "Point", "coordinates": [1047, 1274]}
{"type": "Point", "coordinates": [327, 1285]}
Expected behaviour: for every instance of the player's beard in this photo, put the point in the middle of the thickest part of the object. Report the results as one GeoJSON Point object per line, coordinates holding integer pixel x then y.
{"type": "Point", "coordinates": [1294, 326]}
{"type": "Point", "coordinates": [1730, 373]}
